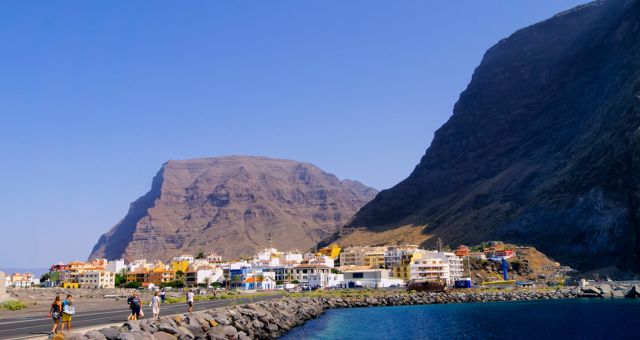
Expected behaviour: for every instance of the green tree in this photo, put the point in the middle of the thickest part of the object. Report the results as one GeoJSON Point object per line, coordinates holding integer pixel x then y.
{"type": "Point", "coordinates": [120, 280]}
{"type": "Point", "coordinates": [45, 277]}
{"type": "Point", "coordinates": [133, 284]}
{"type": "Point", "coordinates": [200, 256]}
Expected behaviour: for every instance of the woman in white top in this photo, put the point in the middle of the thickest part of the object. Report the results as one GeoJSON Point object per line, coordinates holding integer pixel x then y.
{"type": "Point", "coordinates": [155, 305]}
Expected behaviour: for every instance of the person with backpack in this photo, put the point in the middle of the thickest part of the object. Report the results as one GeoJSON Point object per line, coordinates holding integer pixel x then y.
{"type": "Point", "coordinates": [55, 313]}
{"type": "Point", "coordinates": [68, 311]}
{"type": "Point", "coordinates": [129, 299]}
{"type": "Point", "coordinates": [136, 306]}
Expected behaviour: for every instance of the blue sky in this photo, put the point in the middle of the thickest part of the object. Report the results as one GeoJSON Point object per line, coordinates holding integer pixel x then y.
{"type": "Point", "coordinates": [96, 95]}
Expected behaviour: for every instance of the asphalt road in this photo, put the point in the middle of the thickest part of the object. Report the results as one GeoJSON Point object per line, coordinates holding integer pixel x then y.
{"type": "Point", "coordinates": [30, 326]}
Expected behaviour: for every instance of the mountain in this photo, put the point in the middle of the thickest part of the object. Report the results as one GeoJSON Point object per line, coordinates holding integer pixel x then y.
{"type": "Point", "coordinates": [233, 206]}
{"type": "Point", "coordinates": [543, 148]}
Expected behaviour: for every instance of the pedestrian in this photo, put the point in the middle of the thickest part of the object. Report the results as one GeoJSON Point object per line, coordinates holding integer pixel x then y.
{"type": "Point", "coordinates": [190, 296]}
{"type": "Point", "coordinates": [136, 307]}
{"type": "Point", "coordinates": [163, 295]}
{"type": "Point", "coordinates": [129, 299]}
{"type": "Point", "coordinates": [68, 311]}
{"type": "Point", "coordinates": [55, 313]}
{"type": "Point", "coordinates": [155, 305]}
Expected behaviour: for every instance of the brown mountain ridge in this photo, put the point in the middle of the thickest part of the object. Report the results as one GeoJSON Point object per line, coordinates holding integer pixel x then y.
{"type": "Point", "coordinates": [233, 205]}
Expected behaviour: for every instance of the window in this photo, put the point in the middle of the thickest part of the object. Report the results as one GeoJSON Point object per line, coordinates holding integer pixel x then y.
{"type": "Point", "coordinates": [358, 275]}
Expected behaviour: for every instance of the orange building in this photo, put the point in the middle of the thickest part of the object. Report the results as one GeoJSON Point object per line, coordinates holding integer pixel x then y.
{"type": "Point", "coordinates": [462, 251]}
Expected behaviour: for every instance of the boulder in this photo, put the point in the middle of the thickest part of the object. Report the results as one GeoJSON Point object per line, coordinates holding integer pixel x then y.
{"type": "Point", "coordinates": [164, 336]}
{"type": "Point", "coordinates": [110, 333]}
{"type": "Point", "coordinates": [95, 335]}
{"type": "Point", "coordinates": [132, 325]}
{"type": "Point", "coordinates": [185, 333]}
{"type": "Point", "coordinates": [634, 292]}
{"type": "Point", "coordinates": [230, 331]}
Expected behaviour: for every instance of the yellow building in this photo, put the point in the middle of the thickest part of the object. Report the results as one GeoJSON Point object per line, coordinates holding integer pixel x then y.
{"type": "Point", "coordinates": [403, 270]}
{"type": "Point", "coordinates": [333, 251]}
{"type": "Point", "coordinates": [374, 259]}
{"type": "Point", "coordinates": [179, 265]}
{"type": "Point", "coordinates": [70, 285]}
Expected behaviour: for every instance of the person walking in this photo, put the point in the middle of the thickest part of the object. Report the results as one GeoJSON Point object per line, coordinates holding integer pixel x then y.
{"type": "Point", "coordinates": [129, 299]}
{"type": "Point", "coordinates": [155, 305]}
{"type": "Point", "coordinates": [136, 306]}
{"type": "Point", "coordinates": [190, 298]}
{"type": "Point", "coordinates": [163, 295]}
{"type": "Point", "coordinates": [68, 311]}
{"type": "Point", "coordinates": [55, 313]}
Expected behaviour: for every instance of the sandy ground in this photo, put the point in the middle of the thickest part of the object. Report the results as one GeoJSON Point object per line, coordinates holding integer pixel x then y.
{"type": "Point", "coordinates": [39, 300]}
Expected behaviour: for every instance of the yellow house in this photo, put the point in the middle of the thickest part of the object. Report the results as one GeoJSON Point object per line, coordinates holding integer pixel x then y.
{"type": "Point", "coordinates": [333, 251]}
{"type": "Point", "coordinates": [403, 270]}
{"type": "Point", "coordinates": [182, 266]}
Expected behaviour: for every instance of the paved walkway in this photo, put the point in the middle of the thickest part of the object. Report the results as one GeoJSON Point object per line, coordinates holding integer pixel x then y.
{"type": "Point", "coordinates": [34, 327]}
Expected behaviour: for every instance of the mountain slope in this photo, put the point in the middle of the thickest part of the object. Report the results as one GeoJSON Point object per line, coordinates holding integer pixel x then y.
{"type": "Point", "coordinates": [233, 206]}
{"type": "Point", "coordinates": [543, 148]}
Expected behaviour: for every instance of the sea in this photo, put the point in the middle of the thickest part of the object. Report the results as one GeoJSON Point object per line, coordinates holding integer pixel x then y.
{"type": "Point", "coordinates": [546, 319]}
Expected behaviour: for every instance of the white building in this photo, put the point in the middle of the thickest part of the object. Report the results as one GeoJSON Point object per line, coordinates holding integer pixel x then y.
{"type": "Point", "coordinates": [116, 266]}
{"type": "Point", "coordinates": [202, 275]}
{"type": "Point", "coordinates": [95, 279]}
{"type": "Point", "coordinates": [293, 257]}
{"type": "Point", "coordinates": [437, 266]}
{"type": "Point", "coordinates": [371, 278]}
{"type": "Point", "coordinates": [138, 265]}
{"type": "Point", "coordinates": [184, 257]}
{"type": "Point", "coordinates": [18, 280]}
{"type": "Point", "coordinates": [302, 272]}
{"type": "Point", "coordinates": [214, 258]}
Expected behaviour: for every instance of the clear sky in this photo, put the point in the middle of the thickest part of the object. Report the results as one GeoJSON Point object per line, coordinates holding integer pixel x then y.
{"type": "Point", "coordinates": [96, 95]}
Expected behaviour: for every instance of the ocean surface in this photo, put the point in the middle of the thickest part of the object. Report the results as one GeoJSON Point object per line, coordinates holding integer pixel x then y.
{"type": "Point", "coordinates": [547, 319]}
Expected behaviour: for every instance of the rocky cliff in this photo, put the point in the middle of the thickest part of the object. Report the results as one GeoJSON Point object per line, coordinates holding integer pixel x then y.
{"type": "Point", "coordinates": [233, 206]}
{"type": "Point", "coordinates": [543, 148]}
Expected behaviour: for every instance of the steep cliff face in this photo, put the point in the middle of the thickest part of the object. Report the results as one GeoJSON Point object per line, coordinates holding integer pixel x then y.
{"type": "Point", "coordinates": [542, 148]}
{"type": "Point", "coordinates": [233, 206]}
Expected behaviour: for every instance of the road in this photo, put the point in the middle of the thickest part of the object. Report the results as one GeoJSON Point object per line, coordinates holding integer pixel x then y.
{"type": "Point", "coordinates": [30, 326]}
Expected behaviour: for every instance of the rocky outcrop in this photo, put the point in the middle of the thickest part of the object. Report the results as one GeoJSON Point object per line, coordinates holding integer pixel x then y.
{"type": "Point", "coordinates": [233, 206]}
{"type": "Point", "coordinates": [543, 148]}
{"type": "Point", "coordinates": [609, 290]}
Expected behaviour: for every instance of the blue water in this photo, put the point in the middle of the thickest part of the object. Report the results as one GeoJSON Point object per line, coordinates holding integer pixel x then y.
{"type": "Point", "coordinates": [549, 319]}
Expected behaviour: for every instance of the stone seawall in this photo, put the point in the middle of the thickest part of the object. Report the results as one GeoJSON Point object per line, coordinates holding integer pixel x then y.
{"type": "Point", "coordinates": [272, 319]}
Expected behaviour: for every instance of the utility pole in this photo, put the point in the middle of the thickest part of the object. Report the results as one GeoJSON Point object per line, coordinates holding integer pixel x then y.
{"type": "Point", "coordinates": [439, 245]}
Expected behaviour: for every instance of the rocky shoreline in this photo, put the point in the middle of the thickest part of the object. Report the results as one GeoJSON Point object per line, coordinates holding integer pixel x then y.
{"type": "Point", "coordinates": [272, 319]}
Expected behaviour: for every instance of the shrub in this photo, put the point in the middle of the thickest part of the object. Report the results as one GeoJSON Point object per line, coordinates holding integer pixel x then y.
{"type": "Point", "coordinates": [133, 284]}
{"type": "Point", "coordinates": [171, 299]}
{"type": "Point", "coordinates": [14, 305]}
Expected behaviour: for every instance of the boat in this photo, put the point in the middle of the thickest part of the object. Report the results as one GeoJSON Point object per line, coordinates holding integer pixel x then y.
{"type": "Point", "coordinates": [432, 286]}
